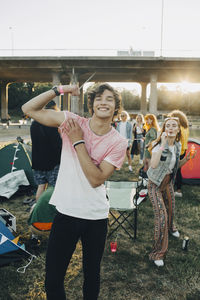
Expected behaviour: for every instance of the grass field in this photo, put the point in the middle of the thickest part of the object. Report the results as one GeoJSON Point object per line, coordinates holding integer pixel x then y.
{"type": "Point", "coordinates": [127, 274]}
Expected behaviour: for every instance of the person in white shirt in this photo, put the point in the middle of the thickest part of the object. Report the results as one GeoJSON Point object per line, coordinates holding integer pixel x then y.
{"type": "Point", "coordinates": [91, 150]}
{"type": "Point", "coordinates": [124, 127]}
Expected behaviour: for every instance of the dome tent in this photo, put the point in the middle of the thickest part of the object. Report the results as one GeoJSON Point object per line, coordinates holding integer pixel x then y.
{"type": "Point", "coordinates": [10, 249]}
{"type": "Point", "coordinates": [15, 157]}
{"type": "Point", "coordinates": [191, 170]}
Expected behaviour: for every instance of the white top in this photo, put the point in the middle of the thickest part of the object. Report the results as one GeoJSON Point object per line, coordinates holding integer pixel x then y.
{"type": "Point", "coordinates": [73, 194]}
{"type": "Point", "coordinates": [173, 160]}
{"type": "Point", "coordinates": [122, 129]}
{"type": "Point", "coordinates": [139, 128]}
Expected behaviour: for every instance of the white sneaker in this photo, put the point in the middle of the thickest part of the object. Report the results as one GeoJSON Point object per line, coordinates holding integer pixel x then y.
{"type": "Point", "coordinates": [141, 162]}
{"type": "Point", "coordinates": [178, 194]}
{"type": "Point", "coordinates": [159, 262]}
{"type": "Point", "coordinates": [145, 181]}
{"type": "Point", "coordinates": [130, 168]}
{"type": "Point", "coordinates": [176, 234]}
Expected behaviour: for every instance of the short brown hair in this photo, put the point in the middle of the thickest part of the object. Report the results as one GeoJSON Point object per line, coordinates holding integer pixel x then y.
{"type": "Point", "coordinates": [96, 90]}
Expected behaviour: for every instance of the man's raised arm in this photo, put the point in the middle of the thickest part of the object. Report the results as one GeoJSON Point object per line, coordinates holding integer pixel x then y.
{"type": "Point", "coordinates": [35, 107]}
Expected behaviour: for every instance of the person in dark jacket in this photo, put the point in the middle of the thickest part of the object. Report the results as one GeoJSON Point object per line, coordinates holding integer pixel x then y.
{"type": "Point", "coordinates": [46, 152]}
{"type": "Point", "coordinates": [138, 142]}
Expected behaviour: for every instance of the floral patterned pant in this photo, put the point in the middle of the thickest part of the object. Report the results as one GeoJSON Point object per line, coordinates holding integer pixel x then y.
{"type": "Point", "coordinates": [163, 201]}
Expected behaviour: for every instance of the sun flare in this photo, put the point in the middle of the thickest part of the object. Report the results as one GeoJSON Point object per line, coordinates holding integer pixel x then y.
{"type": "Point", "coordinates": [189, 87]}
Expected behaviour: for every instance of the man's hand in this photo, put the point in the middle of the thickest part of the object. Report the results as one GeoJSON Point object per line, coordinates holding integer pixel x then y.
{"type": "Point", "coordinates": [73, 131]}
{"type": "Point", "coordinates": [96, 175]}
{"type": "Point", "coordinates": [73, 89]}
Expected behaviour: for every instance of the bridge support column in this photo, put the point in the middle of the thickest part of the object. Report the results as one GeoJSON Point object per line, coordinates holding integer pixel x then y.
{"type": "Point", "coordinates": [153, 95]}
{"type": "Point", "coordinates": [81, 102]}
{"type": "Point", "coordinates": [75, 100]}
{"type": "Point", "coordinates": [4, 101]}
{"type": "Point", "coordinates": [56, 81]}
{"type": "Point", "coordinates": [66, 97]}
{"type": "Point", "coordinates": [143, 106]}
{"type": "Point", "coordinates": [66, 102]}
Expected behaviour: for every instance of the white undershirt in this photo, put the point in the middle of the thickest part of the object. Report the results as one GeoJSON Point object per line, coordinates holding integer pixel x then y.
{"type": "Point", "coordinates": [173, 160]}
{"type": "Point", "coordinates": [139, 129]}
{"type": "Point", "coordinates": [122, 129]}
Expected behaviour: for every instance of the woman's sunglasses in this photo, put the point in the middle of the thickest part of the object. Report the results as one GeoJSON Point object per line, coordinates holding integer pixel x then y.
{"type": "Point", "coordinates": [172, 118]}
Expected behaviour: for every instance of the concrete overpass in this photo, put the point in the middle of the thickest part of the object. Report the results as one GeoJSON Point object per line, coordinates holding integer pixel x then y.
{"type": "Point", "coordinates": [58, 70]}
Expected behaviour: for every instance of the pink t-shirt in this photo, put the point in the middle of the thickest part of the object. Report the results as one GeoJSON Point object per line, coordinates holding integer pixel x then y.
{"type": "Point", "coordinates": [73, 194]}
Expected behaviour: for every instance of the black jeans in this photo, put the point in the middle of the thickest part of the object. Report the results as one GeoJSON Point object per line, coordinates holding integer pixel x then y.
{"type": "Point", "coordinates": [63, 238]}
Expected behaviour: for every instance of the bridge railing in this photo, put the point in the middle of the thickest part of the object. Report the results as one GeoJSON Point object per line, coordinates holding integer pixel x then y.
{"type": "Point", "coordinates": [100, 52]}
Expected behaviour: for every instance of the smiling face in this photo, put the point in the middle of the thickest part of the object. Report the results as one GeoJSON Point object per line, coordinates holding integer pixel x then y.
{"type": "Point", "coordinates": [172, 128]}
{"type": "Point", "coordinates": [104, 105]}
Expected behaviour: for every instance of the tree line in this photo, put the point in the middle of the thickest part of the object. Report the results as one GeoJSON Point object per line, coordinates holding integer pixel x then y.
{"type": "Point", "coordinates": [19, 93]}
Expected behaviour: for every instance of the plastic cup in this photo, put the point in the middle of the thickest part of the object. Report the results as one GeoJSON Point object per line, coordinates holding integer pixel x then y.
{"type": "Point", "coordinates": [113, 246]}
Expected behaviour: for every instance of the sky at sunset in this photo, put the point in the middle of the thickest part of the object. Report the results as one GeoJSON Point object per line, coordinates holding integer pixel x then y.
{"type": "Point", "coordinates": [100, 25]}
{"type": "Point", "coordinates": [91, 27]}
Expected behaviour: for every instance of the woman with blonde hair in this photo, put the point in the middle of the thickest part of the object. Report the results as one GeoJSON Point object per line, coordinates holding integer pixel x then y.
{"type": "Point", "coordinates": [161, 173]}
{"type": "Point", "coordinates": [184, 141]}
{"type": "Point", "coordinates": [138, 133]}
{"type": "Point", "coordinates": [151, 126]}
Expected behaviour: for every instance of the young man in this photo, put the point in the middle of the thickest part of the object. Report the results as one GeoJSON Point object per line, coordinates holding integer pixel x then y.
{"type": "Point", "coordinates": [91, 150]}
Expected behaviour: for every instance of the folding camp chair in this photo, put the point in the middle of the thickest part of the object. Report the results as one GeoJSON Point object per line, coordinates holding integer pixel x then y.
{"type": "Point", "coordinates": [123, 197]}
{"type": "Point", "coordinates": [143, 178]}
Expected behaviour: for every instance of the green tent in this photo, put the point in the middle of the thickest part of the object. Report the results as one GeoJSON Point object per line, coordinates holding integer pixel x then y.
{"type": "Point", "coordinates": [14, 157]}
{"type": "Point", "coordinates": [43, 213]}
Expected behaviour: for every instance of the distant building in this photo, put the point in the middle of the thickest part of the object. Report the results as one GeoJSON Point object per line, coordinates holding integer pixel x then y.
{"type": "Point", "coordinates": [135, 53]}
{"type": "Point", "coordinates": [132, 52]}
{"type": "Point", "coordinates": [123, 53]}
{"type": "Point", "coordinates": [148, 53]}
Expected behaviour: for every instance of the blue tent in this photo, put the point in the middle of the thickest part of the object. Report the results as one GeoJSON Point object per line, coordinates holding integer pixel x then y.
{"type": "Point", "coordinates": [10, 249]}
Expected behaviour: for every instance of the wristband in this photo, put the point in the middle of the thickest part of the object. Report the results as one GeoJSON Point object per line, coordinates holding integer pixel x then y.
{"type": "Point", "coordinates": [162, 148]}
{"type": "Point", "coordinates": [78, 142]}
{"type": "Point", "coordinates": [55, 89]}
{"type": "Point", "coordinates": [61, 90]}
